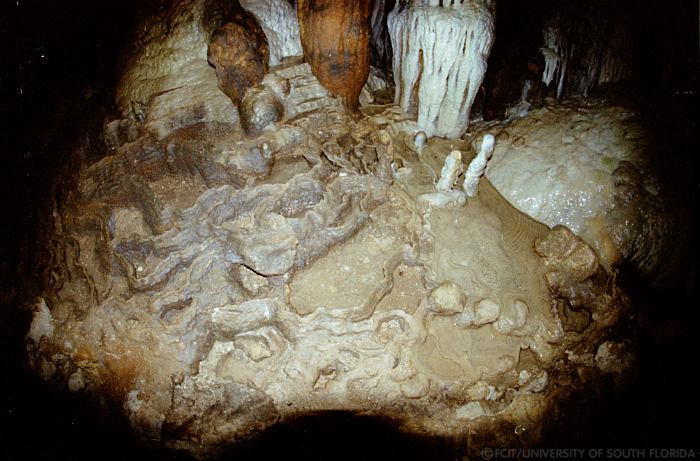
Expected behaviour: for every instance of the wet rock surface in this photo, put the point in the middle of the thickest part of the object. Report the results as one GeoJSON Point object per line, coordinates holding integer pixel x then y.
{"type": "Point", "coordinates": [585, 165]}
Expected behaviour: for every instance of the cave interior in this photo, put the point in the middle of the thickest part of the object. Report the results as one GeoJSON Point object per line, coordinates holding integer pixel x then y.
{"type": "Point", "coordinates": [86, 96]}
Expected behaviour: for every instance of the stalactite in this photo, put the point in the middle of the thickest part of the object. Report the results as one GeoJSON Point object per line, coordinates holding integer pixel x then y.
{"type": "Point", "coordinates": [440, 51]}
{"type": "Point", "coordinates": [335, 38]}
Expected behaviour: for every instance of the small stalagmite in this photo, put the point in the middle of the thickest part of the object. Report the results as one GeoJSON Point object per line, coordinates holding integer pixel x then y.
{"type": "Point", "coordinates": [335, 37]}
{"type": "Point", "coordinates": [239, 52]}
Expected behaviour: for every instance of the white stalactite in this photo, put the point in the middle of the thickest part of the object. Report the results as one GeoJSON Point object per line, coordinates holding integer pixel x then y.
{"type": "Point", "coordinates": [581, 58]}
{"type": "Point", "coordinates": [278, 20]}
{"type": "Point", "coordinates": [478, 165]}
{"type": "Point", "coordinates": [440, 53]}
{"type": "Point", "coordinates": [556, 55]}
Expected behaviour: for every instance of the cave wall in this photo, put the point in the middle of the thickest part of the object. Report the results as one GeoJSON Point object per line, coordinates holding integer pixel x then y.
{"type": "Point", "coordinates": [638, 43]}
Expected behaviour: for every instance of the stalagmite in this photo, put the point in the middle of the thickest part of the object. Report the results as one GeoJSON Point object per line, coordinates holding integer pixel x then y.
{"type": "Point", "coordinates": [440, 52]}
{"type": "Point", "coordinates": [478, 165]}
{"type": "Point", "coordinates": [335, 38]}
{"type": "Point", "coordinates": [452, 167]}
{"type": "Point", "coordinates": [420, 140]}
{"type": "Point", "coordinates": [445, 196]}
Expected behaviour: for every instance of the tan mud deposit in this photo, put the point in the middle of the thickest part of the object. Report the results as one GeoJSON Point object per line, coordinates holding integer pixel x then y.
{"type": "Point", "coordinates": [212, 285]}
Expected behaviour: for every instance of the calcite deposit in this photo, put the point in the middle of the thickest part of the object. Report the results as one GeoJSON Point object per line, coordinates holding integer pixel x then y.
{"type": "Point", "coordinates": [581, 53]}
{"type": "Point", "coordinates": [278, 20]}
{"type": "Point", "coordinates": [585, 167]}
{"type": "Point", "coordinates": [167, 82]}
{"type": "Point", "coordinates": [210, 284]}
{"type": "Point", "coordinates": [440, 52]}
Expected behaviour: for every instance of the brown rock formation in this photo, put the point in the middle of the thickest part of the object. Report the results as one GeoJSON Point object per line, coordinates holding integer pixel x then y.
{"type": "Point", "coordinates": [335, 37]}
{"type": "Point", "coordinates": [239, 52]}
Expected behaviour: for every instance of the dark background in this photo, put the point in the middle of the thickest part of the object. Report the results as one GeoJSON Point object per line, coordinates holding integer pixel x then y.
{"type": "Point", "coordinates": [58, 64]}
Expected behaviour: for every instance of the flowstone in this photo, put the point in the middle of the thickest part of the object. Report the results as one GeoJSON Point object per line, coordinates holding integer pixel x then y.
{"type": "Point", "coordinates": [211, 285]}
{"type": "Point", "coordinates": [585, 165]}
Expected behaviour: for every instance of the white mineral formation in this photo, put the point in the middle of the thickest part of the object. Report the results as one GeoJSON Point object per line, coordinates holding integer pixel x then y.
{"type": "Point", "coordinates": [585, 170]}
{"type": "Point", "coordinates": [580, 63]}
{"type": "Point", "coordinates": [440, 53]}
{"type": "Point", "coordinates": [452, 168]}
{"type": "Point", "coordinates": [478, 165]}
{"type": "Point", "coordinates": [278, 20]}
{"type": "Point", "coordinates": [483, 312]}
{"type": "Point", "coordinates": [445, 195]}
{"type": "Point", "coordinates": [42, 322]}
{"type": "Point", "coordinates": [420, 140]}
{"type": "Point", "coordinates": [512, 318]}
{"type": "Point", "coordinates": [447, 299]}
{"type": "Point", "coordinates": [556, 55]}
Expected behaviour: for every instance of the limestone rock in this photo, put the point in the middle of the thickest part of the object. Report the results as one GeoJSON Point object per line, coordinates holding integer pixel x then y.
{"type": "Point", "coordinates": [279, 22]}
{"type": "Point", "coordinates": [167, 82]}
{"type": "Point", "coordinates": [472, 410]}
{"type": "Point", "coordinates": [267, 245]}
{"type": "Point", "coordinates": [641, 229]}
{"type": "Point", "coordinates": [574, 275]}
{"type": "Point", "coordinates": [305, 94]}
{"type": "Point", "coordinates": [210, 285]}
{"type": "Point", "coordinates": [260, 108]}
{"type": "Point", "coordinates": [374, 87]}
{"type": "Point", "coordinates": [380, 41]}
{"type": "Point", "coordinates": [614, 357]}
{"type": "Point", "coordinates": [562, 248]}
{"type": "Point", "coordinates": [447, 299]}
{"type": "Point", "coordinates": [483, 312]}
{"type": "Point", "coordinates": [512, 318]}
